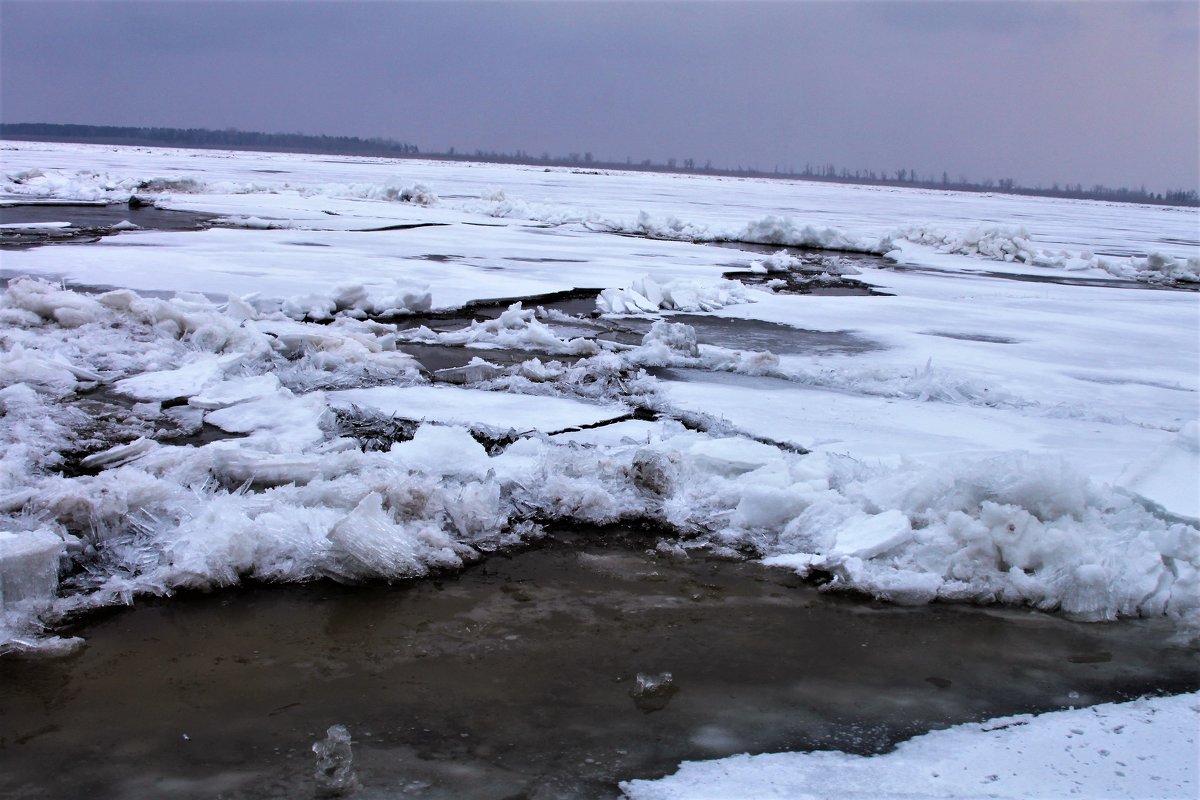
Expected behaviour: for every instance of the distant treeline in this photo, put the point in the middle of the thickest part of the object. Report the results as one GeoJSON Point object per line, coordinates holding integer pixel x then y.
{"type": "Point", "coordinates": [203, 138]}
{"type": "Point", "coordinates": [232, 139]}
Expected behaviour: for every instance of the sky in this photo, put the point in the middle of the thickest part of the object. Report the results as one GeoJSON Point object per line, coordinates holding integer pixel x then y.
{"type": "Point", "coordinates": [1040, 92]}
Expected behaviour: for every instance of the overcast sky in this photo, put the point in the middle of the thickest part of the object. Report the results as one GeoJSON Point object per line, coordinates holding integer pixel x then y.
{"type": "Point", "coordinates": [1088, 92]}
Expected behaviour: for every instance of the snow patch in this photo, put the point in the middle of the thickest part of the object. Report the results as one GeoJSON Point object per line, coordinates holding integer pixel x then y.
{"type": "Point", "coordinates": [1145, 749]}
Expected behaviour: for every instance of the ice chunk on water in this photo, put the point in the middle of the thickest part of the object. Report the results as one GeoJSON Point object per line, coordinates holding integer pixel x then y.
{"type": "Point", "coordinates": [334, 773]}
{"type": "Point", "coordinates": [652, 692]}
{"type": "Point", "coordinates": [28, 566]}
{"type": "Point", "coordinates": [475, 371]}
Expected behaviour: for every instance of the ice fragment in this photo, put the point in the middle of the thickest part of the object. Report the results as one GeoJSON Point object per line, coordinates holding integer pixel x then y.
{"type": "Point", "coordinates": [334, 773]}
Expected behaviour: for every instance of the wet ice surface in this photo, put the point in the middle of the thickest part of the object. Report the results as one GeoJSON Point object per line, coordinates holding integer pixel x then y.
{"type": "Point", "coordinates": [519, 678]}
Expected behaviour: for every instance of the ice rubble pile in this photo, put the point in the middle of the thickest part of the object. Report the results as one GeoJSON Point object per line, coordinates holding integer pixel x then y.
{"type": "Point", "coordinates": [772, 229]}
{"type": "Point", "coordinates": [495, 202]}
{"type": "Point", "coordinates": [783, 261]}
{"type": "Point", "coordinates": [516, 328]}
{"type": "Point", "coordinates": [292, 499]}
{"type": "Point", "coordinates": [647, 295]}
{"type": "Point", "coordinates": [394, 191]}
{"type": "Point", "coordinates": [788, 231]}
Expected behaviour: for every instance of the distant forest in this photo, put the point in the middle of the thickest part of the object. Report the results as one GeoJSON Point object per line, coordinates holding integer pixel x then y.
{"type": "Point", "coordinates": [231, 139]}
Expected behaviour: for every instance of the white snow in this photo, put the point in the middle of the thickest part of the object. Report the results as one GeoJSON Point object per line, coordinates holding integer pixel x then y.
{"type": "Point", "coordinates": [1141, 749]}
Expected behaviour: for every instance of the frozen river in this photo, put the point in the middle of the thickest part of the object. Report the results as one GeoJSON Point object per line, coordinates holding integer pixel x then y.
{"type": "Point", "coordinates": [903, 459]}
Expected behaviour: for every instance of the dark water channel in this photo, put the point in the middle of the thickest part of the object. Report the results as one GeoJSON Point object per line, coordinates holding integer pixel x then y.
{"type": "Point", "coordinates": [515, 679]}
{"type": "Point", "coordinates": [88, 222]}
{"type": "Point", "coordinates": [752, 334]}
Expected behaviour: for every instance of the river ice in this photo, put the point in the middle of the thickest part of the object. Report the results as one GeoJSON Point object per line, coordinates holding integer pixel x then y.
{"type": "Point", "coordinates": [194, 408]}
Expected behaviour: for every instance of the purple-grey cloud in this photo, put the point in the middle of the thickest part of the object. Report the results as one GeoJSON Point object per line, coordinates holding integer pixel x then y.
{"type": "Point", "coordinates": [1040, 92]}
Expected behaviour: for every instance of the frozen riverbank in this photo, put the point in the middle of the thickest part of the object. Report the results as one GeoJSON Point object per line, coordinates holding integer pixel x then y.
{"type": "Point", "coordinates": [322, 386]}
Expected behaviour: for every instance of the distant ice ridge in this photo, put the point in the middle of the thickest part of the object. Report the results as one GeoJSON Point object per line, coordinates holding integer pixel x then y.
{"type": "Point", "coordinates": [90, 185]}
{"type": "Point", "coordinates": [990, 242]}
{"type": "Point", "coordinates": [1014, 244]}
{"type": "Point", "coordinates": [1010, 758]}
{"type": "Point", "coordinates": [1000, 243]}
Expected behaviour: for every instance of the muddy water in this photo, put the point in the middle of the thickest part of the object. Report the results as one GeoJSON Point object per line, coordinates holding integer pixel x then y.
{"type": "Point", "coordinates": [516, 678]}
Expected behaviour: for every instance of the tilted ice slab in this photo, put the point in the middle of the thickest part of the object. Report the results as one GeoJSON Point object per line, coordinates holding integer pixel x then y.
{"type": "Point", "coordinates": [473, 406]}
{"type": "Point", "coordinates": [1144, 749]}
{"type": "Point", "coordinates": [28, 567]}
